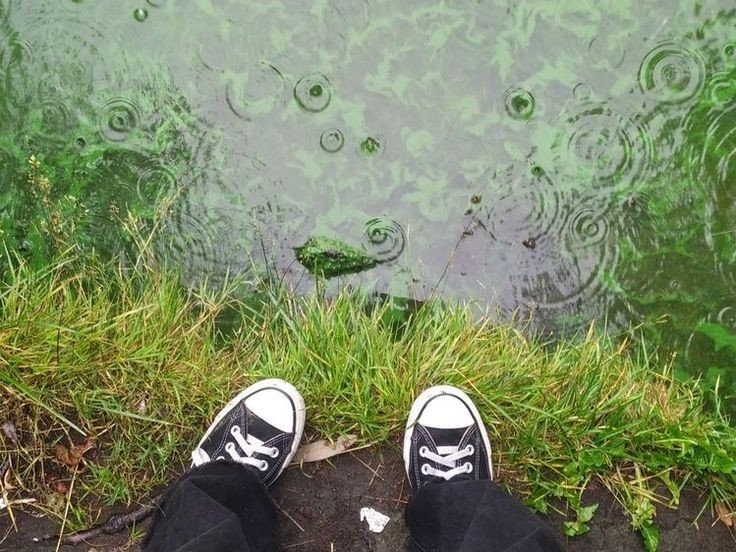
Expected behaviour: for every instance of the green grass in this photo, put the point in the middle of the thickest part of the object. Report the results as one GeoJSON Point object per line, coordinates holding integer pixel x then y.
{"type": "Point", "coordinates": [138, 363]}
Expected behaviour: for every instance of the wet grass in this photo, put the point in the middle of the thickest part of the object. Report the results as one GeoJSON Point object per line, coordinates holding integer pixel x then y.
{"type": "Point", "coordinates": [139, 364]}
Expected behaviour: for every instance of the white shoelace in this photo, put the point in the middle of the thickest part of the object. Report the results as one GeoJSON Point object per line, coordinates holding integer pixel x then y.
{"type": "Point", "coordinates": [250, 448]}
{"type": "Point", "coordinates": [448, 460]}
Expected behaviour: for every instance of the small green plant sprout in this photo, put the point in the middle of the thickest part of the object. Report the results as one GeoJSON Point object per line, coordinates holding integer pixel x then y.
{"type": "Point", "coordinates": [584, 514]}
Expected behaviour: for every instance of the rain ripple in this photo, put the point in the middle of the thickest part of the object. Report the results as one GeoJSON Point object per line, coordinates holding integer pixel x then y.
{"type": "Point", "coordinates": [525, 205]}
{"type": "Point", "coordinates": [587, 226]}
{"type": "Point", "coordinates": [258, 92]}
{"type": "Point", "coordinates": [312, 92]}
{"type": "Point", "coordinates": [672, 73]}
{"type": "Point", "coordinates": [610, 149]}
{"type": "Point", "coordinates": [385, 239]}
{"type": "Point", "coordinates": [196, 241]}
{"type": "Point", "coordinates": [120, 118]}
{"type": "Point", "coordinates": [519, 104]}
{"type": "Point", "coordinates": [559, 244]}
{"type": "Point", "coordinates": [51, 119]}
{"type": "Point", "coordinates": [716, 147]}
{"type": "Point", "coordinates": [156, 183]}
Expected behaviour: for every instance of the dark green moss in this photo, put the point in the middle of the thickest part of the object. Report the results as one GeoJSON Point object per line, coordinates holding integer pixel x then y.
{"type": "Point", "coordinates": [330, 257]}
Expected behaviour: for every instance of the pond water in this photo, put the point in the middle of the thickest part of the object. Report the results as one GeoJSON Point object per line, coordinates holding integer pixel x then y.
{"type": "Point", "coordinates": [569, 160]}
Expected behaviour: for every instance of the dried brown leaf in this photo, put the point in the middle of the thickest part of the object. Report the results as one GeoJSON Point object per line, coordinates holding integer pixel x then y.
{"type": "Point", "coordinates": [322, 450]}
{"type": "Point", "coordinates": [74, 455]}
{"type": "Point", "coordinates": [59, 487]}
{"type": "Point", "coordinates": [724, 514]}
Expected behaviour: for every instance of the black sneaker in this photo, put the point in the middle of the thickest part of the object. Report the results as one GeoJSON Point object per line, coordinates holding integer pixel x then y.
{"type": "Point", "coordinates": [445, 439]}
{"type": "Point", "coordinates": [260, 428]}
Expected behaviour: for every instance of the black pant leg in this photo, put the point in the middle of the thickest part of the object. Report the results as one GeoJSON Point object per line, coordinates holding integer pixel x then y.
{"type": "Point", "coordinates": [219, 506]}
{"type": "Point", "coordinates": [470, 516]}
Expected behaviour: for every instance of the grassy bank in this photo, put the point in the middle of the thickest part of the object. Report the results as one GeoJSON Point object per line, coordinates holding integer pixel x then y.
{"type": "Point", "coordinates": [138, 364]}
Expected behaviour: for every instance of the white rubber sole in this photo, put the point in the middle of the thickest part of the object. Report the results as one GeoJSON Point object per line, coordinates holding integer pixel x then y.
{"type": "Point", "coordinates": [422, 400]}
{"type": "Point", "coordinates": [281, 385]}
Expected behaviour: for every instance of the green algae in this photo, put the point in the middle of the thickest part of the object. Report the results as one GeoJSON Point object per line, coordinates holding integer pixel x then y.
{"type": "Point", "coordinates": [329, 257]}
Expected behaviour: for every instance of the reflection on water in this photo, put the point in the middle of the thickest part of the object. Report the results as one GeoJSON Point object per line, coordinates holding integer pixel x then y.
{"type": "Point", "coordinates": [571, 164]}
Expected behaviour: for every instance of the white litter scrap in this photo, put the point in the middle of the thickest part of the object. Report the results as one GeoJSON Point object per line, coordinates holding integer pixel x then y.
{"type": "Point", "coordinates": [376, 520]}
{"type": "Point", "coordinates": [3, 504]}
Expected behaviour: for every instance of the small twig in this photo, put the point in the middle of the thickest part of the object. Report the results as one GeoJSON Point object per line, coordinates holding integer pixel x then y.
{"type": "Point", "coordinates": [294, 545]}
{"type": "Point", "coordinates": [370, 469]}
{"type": "Point", "coordinates": [114, 524]}
{"type": "Point", "coordinates": [291, 518]}
{"type": "Point", "coordinates": [66, 509]}
{"type": "Point", "coordinates": [451, 258]}
{"type": "Point", "coordinates": [401, 493]}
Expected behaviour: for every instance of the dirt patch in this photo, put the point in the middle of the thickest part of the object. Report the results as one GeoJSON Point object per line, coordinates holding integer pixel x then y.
{"type": "Point", "coordinates": [320, 503]}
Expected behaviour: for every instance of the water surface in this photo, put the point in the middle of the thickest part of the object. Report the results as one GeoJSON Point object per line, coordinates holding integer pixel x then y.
{"type": "Point", "coordinates": [572, 161]}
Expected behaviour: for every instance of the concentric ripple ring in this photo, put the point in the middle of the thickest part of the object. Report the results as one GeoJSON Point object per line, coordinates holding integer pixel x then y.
{"type": "Point", "coordinates": [385, 239]}
{"type": "Point", "coordinates": [671, 73]}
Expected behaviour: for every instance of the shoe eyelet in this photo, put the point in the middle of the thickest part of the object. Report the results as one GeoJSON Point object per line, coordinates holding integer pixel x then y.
{"type": "Point", "coordinates": [263, 466]}
{"type": "Point", "coordinates": [230, 446]}
{"type": "Point", "coordinates": [425, 469]}
{"type": "Point", "coordinates": [423, 451]}
{"type": "Point", "coordinates": [235, 430]}
{"type": "Point", "coordinates": [274, 452]}
{"type": "Point", "coordinates": [220, 458]}
{"type": "Point", "coordinates": [470, 449]}
{"type": "Point", "coordinates": [468, 467]}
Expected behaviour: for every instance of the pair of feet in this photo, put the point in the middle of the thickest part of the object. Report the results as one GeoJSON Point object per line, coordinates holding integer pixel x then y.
{"type": "Point", "coordinates": [263, 425]}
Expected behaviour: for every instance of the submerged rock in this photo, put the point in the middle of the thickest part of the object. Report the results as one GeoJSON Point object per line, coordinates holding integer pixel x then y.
{"type": "Point", "coordinates": [330, 257]}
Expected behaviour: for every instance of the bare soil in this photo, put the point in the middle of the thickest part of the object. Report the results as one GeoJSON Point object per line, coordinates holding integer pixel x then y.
{"type": "Point", "coordinates": [320, 503]}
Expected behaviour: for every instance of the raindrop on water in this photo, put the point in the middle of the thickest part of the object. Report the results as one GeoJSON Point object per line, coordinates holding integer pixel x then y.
{"type": "Point", "coordinates": [371, 146]}
{"type": "Point", "coordinates": [612, 149]}
{"type": "Point", "coordinates": [155, 183]}
{"type": "Point", "coordinates": [537, 171]}
{"type": "Point", "coordinates": [727, 317]}
{"type": "Point", "coordinates": [519, 104]}
{"type": "Point", "coordinates": [671, 73]}
{"type": "Point", "coordinates": [385, 239]}
{"type": "Point", "coordinates": [312, 92]}
{"type": "Point", "coordinates": [522, 206]}
{"type": "Point", "coordinates": [332, 140]}
{"type": "Point", "coordinates": [198, 239]}
{"type": "Point", "coordinates": [587, 226]}
{"type": "Point", "coordinates": [119, 119]}
{"type": "Point", "coordinates": [54, 117]}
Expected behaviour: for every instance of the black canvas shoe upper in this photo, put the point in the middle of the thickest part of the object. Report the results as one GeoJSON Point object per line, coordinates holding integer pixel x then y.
{"type": "Point", "coordinates": [240, 435]}
{"type": "Point", "coordinates": [438, 454]}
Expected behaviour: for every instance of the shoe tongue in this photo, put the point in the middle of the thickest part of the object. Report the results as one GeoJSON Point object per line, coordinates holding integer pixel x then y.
{"type": "Point", "coordinates": [448, 440]}
{"type": "Point", "coordinates": [258, 430]}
